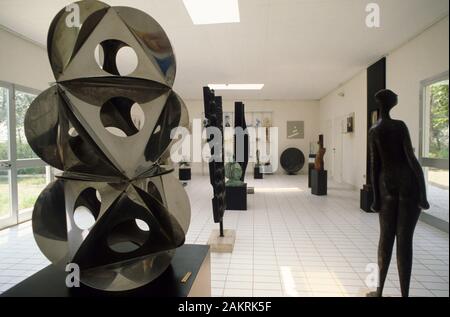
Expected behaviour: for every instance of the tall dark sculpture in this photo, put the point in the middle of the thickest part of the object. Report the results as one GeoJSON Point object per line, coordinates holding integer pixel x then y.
{"type": "Point", "coordinates": [140, 213]}
{"type": "Point", "coordinates": [214, 119]}
{"type": "Point", "coordinates": [399, 191]}
{"type": "Point", "coordinates": [241, 137]}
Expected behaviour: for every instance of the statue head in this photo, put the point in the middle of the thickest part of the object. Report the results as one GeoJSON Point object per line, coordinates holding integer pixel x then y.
{"type": "Point", "coordinates": [387, 99]}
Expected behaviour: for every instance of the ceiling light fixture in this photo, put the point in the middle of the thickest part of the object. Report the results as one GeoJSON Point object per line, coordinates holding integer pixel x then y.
{"type": "Point", "coordinates": [236, 86]}
{"type": "Point", "coordinates": [213, 11]}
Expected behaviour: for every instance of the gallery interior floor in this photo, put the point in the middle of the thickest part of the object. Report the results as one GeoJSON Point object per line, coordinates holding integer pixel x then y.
{"type": "Point", "coordinates": [289, 243]}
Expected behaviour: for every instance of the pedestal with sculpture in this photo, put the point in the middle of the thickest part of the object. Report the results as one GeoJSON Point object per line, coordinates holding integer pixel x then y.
{"type": "Point", "coordinates": [319, 176]}
{"type": "Point", "coordinates": [257, 173]}
{"type": "Point", "coordinates": [236, 190]}
{"type": "Point", "coordinates": [399, 192]}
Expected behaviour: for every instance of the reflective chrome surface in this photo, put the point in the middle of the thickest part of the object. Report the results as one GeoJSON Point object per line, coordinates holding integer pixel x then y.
{"type": "Point", "coordinates": [109, 134]}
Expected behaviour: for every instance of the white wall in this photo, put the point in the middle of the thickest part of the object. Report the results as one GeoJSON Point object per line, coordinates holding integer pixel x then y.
{"type": "Point", "coordinates": [424, 56]}
{"type": "Point", "coordinates": [333, 110]}
{"type": "Point", "coordinates": [23, 63]}
{"type": "Point", "coordinates": [282, 111]}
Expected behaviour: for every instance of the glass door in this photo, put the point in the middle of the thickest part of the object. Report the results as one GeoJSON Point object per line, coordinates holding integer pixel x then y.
{"type": "Point", "coordinates": [31, 173]}
{"type": "Point", "coordinates": [434, 148]}
{"type": "Point", "coordinates": [22, 174]}
{"type": "Point", "coordinates": [7, 215]}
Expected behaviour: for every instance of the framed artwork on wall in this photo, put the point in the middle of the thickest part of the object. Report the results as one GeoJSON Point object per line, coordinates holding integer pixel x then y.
{"type": "Point", "coordinates": [295, 129]}
{"type": "Point", "coordinates": [350, 123]}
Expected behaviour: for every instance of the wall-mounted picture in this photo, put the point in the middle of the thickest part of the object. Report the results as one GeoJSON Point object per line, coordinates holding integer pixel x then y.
{"type": "Point", "coordinates": [350, 122]}
{"type": "Point", "coordinates": [296, 129]}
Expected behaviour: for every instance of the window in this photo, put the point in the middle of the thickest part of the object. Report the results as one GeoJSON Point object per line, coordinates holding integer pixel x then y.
{"type": "Point", "coordinates": [22, 101]}
{"type": "Point", "coordinates": [4, 135]}
{"type": "Point", "coordinates": [22, 174]}
{"type": "Point", "coordinates": [434, 144]}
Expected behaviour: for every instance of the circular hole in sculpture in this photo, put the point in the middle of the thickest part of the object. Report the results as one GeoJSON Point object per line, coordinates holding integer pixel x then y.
{"type": "Point", "coordinates": [122, 117]}
{"type": "Point", "coordinates": [126, 61]}
{"type": "Point", "coordinates": [116, 132]}
{"type": "Point", "coordinates": [87, 208]}
{"type": "Point", "coordinates": [128, 236]}
{"type": "Point", "coordinates": [116, 57]}
{"type": "Point", "coordinates": [83, 217]}
{"type": "Point", "coordinates": [137, 116]}
{"type": "Point", "coordinates": [142, 225]}
{"type": "Point", "coordinates": [98, 196]}
{"type": "Point", "coordinates": [73, 132]}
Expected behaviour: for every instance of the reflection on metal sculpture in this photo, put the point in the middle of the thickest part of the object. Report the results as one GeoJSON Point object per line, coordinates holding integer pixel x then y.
{"type": "Point", "coordinates": [319, 164]}
{"type": "Point", "coordinates": [399, 191]}
{"type": "Point", "coordinates": [110, 135]}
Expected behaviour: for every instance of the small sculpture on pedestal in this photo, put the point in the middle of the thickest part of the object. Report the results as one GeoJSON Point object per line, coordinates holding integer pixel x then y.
{"type": "Point", "coordinates": [319, 163]}
{"type": "Point", "coordinates": [233, 172]}
{"type": "Point", "coordinates": [257, 169]}
{"type": "Point", "coordinates": [399, 192]}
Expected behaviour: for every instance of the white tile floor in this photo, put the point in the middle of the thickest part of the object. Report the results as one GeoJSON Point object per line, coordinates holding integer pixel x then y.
{"type": "Point", "coordinates": [289, 243]}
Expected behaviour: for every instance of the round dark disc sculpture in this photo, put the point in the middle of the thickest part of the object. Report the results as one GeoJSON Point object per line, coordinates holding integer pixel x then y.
{"type": "Point", "coordinates": [292, 160]}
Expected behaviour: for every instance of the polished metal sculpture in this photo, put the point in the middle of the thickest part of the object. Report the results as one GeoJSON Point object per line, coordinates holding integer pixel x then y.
{"type": "Point", "coordinates": [399, 191]}
{"type": "Point", "coordinates": [113, 162]}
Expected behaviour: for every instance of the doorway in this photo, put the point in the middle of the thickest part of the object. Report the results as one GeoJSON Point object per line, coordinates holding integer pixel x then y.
{"type": "Point", "coordinates": [337, 150]}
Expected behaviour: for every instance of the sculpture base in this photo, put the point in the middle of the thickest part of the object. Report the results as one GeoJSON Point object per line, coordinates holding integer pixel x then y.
{"type": "Point", "coordinates": [257, 173]}
{"type": "Point", "coordinates": [319, 181]}
{"type": "Point", "coordinates": [366, 198]}
{"type": "Point", "coordinates": [266, 169]}
{"type": "Point", "coordinates": [223, 244]}
{"type": "Point", "coordinates": [310, 169]}
{"type": "Point", "coordinates": [50, 282]}
{"type": "Point", "coordinates": [236, 197]}
{"type": "Point", "coordinates": [184, 174]}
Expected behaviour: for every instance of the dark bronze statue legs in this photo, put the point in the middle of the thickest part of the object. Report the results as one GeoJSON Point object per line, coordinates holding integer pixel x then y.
{"type": "Point", "coordinates": [398, 219]}
{"type": "Point", "coordinates": [388, 223]}
{"type": "Point", "coordinates": [406, 223]}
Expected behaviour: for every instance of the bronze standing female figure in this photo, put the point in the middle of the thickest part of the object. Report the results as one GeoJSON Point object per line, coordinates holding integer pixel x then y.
{"type": "Point", "coordinates": [399, 191]}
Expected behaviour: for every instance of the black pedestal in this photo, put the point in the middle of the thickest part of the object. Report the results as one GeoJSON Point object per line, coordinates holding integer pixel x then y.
{"type": "Point", "coordinates": [366, 198]}
{"type": "Point", "coordinates": [236, 197]}
{"type": "Point", "coordinates": [310, 169]}
{"type": "Point", "coordinates": [184, 174]}
{"type": "Point", "coordinates": [50, 282]}
{"type": "Point", "coordinates": [257, 173]}
{"type": "Point", "coordinates": [319, 182]}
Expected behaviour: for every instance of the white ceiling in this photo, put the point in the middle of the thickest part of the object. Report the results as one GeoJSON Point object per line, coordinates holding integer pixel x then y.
{"type": "Point", "coordinates": [300, 49]}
